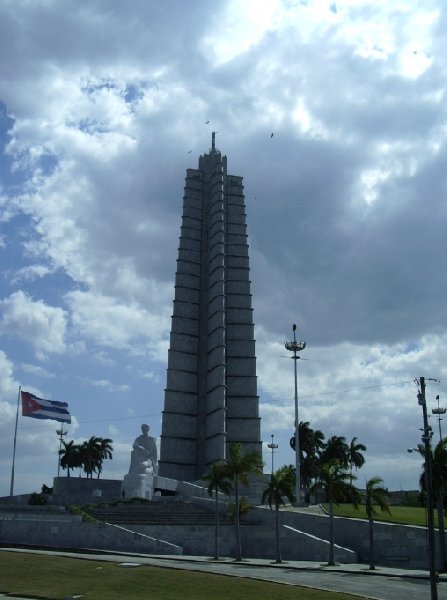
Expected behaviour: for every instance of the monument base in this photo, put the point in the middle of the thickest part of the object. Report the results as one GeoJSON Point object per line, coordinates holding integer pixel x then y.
{"type": "Point", "coordinates": [138, 485]}
{"type": "Point", "coordinates": [144, 485]}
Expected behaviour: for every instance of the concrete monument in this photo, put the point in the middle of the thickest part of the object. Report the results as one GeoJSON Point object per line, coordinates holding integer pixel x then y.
{"type": "Point", "coordinates": [211, 396]}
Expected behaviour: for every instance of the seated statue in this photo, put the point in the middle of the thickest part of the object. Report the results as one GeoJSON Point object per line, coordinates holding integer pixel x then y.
{"type": "Point", "coordinates": [143, 459]}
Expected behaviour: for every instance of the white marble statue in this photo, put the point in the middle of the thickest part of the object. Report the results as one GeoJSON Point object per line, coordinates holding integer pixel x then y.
{"type": "Point", "coordinates": [144, 454]}
{"type": "Point", "coordinates": [139, 482]}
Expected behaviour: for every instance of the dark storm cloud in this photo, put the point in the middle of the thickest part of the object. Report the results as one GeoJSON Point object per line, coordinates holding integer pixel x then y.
{"type": "Point", "coordinates": [375, 275]}
{"type": "Point", "coordinates": [100, 31]}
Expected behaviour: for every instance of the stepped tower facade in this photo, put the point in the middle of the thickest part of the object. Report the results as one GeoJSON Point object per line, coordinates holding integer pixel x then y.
{"type": "Point", "coordinates": [211, 396]}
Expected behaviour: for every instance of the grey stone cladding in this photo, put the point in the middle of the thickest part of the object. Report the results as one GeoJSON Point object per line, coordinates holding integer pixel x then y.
{"type": "Point", "coordinates": [211, 396]}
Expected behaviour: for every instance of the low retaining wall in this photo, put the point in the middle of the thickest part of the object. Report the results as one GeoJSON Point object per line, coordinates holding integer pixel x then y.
{"type": "Point", "coordinates": [256, 542]}
{"type": "Point", "coordinates": [40, 526]}
{"type": "Point", "coordinates": [37, 528]}
{"type": "Point", "coordinates": [303, 536]}
{"type": "Point", "coordinates": [394, 545]}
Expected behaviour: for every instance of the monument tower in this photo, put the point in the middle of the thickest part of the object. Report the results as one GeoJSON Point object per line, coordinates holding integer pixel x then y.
{"type": "Point", "coordinates": [211, 396]}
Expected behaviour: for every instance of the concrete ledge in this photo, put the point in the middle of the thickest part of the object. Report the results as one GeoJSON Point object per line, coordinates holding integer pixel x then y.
{"type": "Point", "coordinates": [165, 484]}
{"type": "Point", "coordinates": [187, 490]}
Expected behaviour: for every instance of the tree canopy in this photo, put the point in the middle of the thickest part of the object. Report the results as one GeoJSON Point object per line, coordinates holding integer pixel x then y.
{"type": "Point", "coordinates": [88, 455]}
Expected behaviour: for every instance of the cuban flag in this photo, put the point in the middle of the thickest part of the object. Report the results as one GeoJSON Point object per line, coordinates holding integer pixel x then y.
{"type": "Point", "coordinates": [35, 407]}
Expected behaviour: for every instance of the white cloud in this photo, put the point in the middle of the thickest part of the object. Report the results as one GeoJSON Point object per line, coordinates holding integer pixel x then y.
{"type": "Point", "coordinates": [36, 370]}
{"type": "Point", "coordinates": [113, 324]}
{"type": "Point", "coordinates": [31, 272]}
{"type": "Point", "coordinates": [9, 389]}
{"type": "Point", "coordinates": [108, 385]}
{"type": "Point", "coordinates": [35, 322]}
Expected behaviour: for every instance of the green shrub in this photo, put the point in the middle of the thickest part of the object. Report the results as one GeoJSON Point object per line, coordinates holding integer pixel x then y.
{"type": "Point", "coordinates": [36, 499]}
{"type": "Point", "coordinates": [81, 510]}
{"type": "Point", "coordinates": [244, 507]}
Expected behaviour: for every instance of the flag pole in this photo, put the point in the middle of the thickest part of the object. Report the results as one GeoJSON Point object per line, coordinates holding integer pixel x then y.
{"type": "Point", "coordinates": [11, 489]}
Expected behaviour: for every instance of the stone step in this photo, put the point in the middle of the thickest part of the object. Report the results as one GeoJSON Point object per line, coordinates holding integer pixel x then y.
{"type": "Point", "coordinates": [156, 513]}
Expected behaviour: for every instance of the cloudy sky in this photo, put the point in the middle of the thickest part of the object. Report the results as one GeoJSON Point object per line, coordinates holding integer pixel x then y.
{"type": "Point", "coordinates": [103, 106]}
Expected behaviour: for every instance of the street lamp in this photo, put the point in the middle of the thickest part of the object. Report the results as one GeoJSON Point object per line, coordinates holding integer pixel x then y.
{"type": "Point", "coordinates": [272, 447]}
{"type": "Point", "coordinates": [295, 346]}
{"type": "Point", "coordinates": [61, 433]}
{"type": "Point", "coordinates": [440, 410]}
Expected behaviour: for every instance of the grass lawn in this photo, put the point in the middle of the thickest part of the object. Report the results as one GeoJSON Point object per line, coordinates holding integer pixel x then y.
{"type": "Point", "coordinates": [55, 577]}
{"type": "Point", "coordinates": [404, 515]}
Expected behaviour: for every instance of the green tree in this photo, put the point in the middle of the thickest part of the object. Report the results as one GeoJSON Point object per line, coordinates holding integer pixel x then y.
{"type": "Point", "coordinates": [239, 466]}
{"type": "Point", "coordinates": [354, 455]}
{"type": "Point", "coordinates": [105, 452]}
{"type": "Point", "coordinates": [70, 456]}
{"type": "Point", "coordinates": [335, 448]}
{"type": "Point", "coordinates": [311, 443]}
{"type": "Point", "coordinates": [439, 485]}
{"type": "Point", "coordinates": [217, 482]}
{"type": "Point", "coordinates": [90, 452]}
{"type": "Point", "coordinates": [333, 479]}
{"type": "Point", "coordinates": [375, 494]}
{"type": "Point", "coordinates": [282, 485]}
{"type": "Point", "coordinates": [311, 440]}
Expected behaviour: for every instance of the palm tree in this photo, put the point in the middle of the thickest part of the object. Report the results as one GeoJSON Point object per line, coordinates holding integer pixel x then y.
{"type": "Point", "coordinates": [282, 484]}
{"type": "Point", "coordinates": [375, 493]}
{"type": "Point", "coordinates": [105, 451]}
{"type": "Point", "coordinates": [70, 457]}
{"type": "Point", "coordinates": [439, 487]}
{"type": "Point", "coordinates": [91, 455]}
{"type": "Point", "coordinates": [335, 448]}
{"type": "Point", "coordinates": [333, 479]}
{"type": "Point", "coordinates": [439, 480]}
{"type": "Point", "coordinates": [311, 443]}
{"type": "Point", "coordinates": [354, 456]}
{"type": "Point", "coordinates": [239, 466]}
{"type": "Point", "coordinates": [217, 482]}
{"type": "Point", "coordinates": [311, 440]}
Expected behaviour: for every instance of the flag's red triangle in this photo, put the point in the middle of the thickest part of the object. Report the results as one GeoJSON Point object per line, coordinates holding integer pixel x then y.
{"type": "Point", "coordinates": [29, 404]}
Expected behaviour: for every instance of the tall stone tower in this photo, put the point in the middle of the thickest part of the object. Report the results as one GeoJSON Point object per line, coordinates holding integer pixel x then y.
{"type": "Point", "coordinates": [211, 396]}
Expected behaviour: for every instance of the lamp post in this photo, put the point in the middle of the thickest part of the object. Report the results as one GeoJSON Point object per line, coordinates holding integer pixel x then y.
{"type": "Point", "coordinates": [440, 410]}
{"type": "Point", "coordinates": [295, 346]}
{"type": "Point", "coordinates": [61, 433]}
{"type": "Point", "coordinates": [426, 437]}
{"type": "Point", "coordinates": [272, 447]}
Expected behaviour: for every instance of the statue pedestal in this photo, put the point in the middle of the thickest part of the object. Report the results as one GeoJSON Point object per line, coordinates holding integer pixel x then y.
{"type": "Point", "coordinates": [138, 485]}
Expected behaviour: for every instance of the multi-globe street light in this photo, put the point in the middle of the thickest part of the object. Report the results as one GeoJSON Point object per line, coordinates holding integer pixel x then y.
{"type": "Point", "coordinates": [61, 433]}
{"type": "Point", "coordinates": [272, 446]}
{"type": "Point", "coordinates": [295, 347]}
{"type": "Point", "coordinates": [439, 410]}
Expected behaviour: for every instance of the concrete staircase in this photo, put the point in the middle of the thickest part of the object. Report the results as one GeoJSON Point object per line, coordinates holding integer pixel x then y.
{"type": "Point", "coordinates": [156, 513]}
{"type": "Point", "coordinates": [54, 527]}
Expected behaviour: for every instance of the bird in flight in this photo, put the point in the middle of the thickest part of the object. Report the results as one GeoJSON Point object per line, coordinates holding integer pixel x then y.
{"type": "Point", "coordinates": [271, 135]}
{"type": "Point", "coordinates": [189, 151]}
{"type": "Point", "coordinates": [206, 122]}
